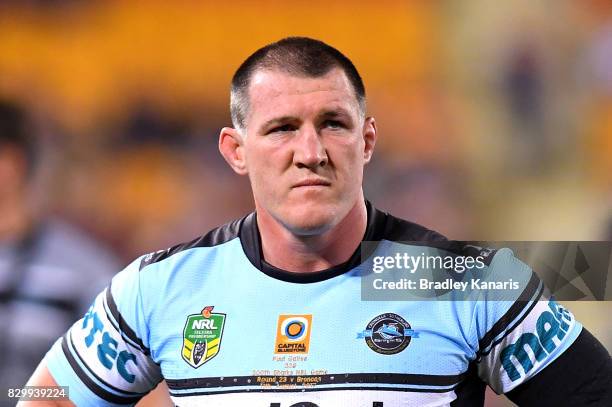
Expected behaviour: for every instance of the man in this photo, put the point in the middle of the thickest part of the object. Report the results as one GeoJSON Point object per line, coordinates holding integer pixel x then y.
{"type": "Point", "coordinates": [49, 271]}
{"type": "Point", "coordinates": [267, 310]}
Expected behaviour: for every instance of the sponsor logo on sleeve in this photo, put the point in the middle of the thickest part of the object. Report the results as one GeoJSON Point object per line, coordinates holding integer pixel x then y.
{"type": "Point", "coordinates": [107, 346]}
{"type": "Point", "coordinates": [551, 327]}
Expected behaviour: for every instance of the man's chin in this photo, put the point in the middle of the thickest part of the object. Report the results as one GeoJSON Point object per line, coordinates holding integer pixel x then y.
{"type": "Point", "coordinates": [310, 222]}
{"type": "Point", "coordinates": [309, 229]}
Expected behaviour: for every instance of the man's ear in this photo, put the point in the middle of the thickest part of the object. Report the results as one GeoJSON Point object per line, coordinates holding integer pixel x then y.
{"type": "Point", "coordinates": [231, 146]}
{"type": "Point", "coordinates": [369, 137]}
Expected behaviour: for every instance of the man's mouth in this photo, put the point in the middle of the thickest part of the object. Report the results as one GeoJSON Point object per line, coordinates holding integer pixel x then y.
{"type": "Point", "coordinates": [312, 182]}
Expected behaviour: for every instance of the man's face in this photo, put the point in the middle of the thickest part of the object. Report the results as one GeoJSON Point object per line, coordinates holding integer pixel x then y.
{"type": "Point", "coordinates": [305, 148]}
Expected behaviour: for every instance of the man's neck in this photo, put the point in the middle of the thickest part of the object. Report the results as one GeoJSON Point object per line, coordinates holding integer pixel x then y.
{"type": "Point", "coordinates": [285, 250]}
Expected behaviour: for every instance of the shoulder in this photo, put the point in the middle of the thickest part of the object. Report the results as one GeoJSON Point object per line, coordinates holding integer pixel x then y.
{"type": "Point", "coordinates": [397, 230]}
{"type": "Point", "coordinates": [384, 226]}
{"type": "Point", "coordinates": [216, 237]}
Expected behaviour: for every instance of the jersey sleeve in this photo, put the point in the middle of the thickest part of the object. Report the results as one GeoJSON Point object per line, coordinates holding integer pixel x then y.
{"type": "Point", "coordinates": [520, 336]}
{"type": "Point", "coordinates": [104, 358]}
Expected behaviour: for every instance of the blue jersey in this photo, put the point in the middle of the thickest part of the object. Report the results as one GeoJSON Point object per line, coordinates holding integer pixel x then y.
{"type": "Point", "coordinates": [225, 328]}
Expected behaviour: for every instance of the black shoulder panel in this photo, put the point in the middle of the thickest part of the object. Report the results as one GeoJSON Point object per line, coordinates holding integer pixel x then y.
{"type": "Point", "coordinates": [390, 228]}
{"type": "Point", "coordinates": [215, 237]}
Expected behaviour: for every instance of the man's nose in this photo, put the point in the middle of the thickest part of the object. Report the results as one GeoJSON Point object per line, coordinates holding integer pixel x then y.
{"type": "Point", "coordinates": [309, 150]}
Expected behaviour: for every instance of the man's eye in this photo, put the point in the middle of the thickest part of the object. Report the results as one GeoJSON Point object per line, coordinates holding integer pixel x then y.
{"type": "Point", "coordinates": [333, 124]}
{"type": "Point", "coordinates": [283, 128]}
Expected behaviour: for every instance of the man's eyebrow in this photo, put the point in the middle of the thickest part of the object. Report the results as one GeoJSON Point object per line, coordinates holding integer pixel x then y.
{"type": "Point", "coordinates": [339, 112]}
{"type": "Point", "coordinates": [278, 120]}
{"type": "Point", "coordinates": [332, 113]}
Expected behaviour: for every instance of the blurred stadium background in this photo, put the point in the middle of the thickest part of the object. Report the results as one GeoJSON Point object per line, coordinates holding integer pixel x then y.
{"type": "Point", "coordinates": [495, 118]}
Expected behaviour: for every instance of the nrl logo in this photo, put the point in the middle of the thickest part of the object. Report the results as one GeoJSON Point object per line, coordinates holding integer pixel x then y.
{"type": "Point", "coordinates": [202, 336]}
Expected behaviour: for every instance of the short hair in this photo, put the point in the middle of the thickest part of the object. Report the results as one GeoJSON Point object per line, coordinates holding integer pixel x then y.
{"type": "Point", "coordinates": [15, 131]}
{"type": "Point", "coordinates": [300, 56]}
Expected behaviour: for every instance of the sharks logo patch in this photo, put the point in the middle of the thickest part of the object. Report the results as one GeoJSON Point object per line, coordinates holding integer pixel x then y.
{"type": "Point", "coordinates": [388, 334]}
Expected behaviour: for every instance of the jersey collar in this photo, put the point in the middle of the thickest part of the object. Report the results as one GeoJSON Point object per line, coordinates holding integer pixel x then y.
{"type": "Point", "coordinates": [251, 244]}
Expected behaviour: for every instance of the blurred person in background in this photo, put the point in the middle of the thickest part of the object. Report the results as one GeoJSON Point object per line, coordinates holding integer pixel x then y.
{"type": "Point", "coordinates": [525, 98]}
{"type": "Point", "coordinates": [49, 270]}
